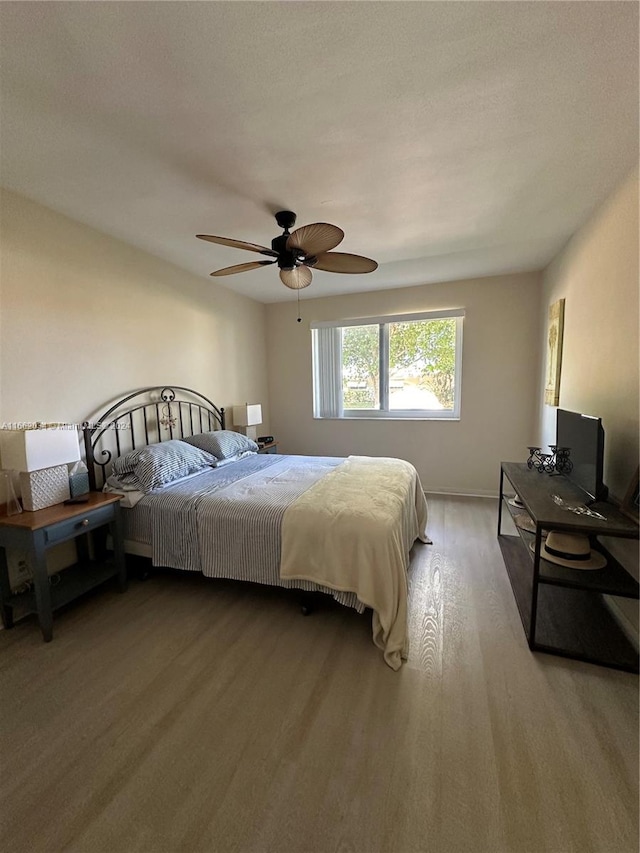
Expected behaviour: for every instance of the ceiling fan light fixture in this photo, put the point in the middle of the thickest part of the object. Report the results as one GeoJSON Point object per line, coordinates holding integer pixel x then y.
{"type": "Point", "coordinates": [296, 278]}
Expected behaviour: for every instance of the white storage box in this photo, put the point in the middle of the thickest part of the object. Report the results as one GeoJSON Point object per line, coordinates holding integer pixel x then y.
{"type": "Point", "coordinates": [45, 487]}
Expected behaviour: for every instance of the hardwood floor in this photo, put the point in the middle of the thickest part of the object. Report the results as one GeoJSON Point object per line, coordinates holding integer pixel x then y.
{"type": "Point", "coordinates": [196, 715]}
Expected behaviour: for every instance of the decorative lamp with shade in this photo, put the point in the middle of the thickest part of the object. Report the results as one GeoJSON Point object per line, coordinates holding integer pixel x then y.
{"type": "Point", "coordinates": [249, 415]}
{"type": "Point", "coordinates": [41, 456]}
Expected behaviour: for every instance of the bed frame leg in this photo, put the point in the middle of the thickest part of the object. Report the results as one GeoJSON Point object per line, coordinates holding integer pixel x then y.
{"type": "Point", "coordinates": [139, 567]}
{"type": "Point", "coordinates": [144, 572]}
{"type": "Point", "coordinates": [306, 604]}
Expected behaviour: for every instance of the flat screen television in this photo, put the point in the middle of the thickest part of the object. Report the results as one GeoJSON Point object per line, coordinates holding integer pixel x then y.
{"type": "Point", "coordinates": [584, 436]}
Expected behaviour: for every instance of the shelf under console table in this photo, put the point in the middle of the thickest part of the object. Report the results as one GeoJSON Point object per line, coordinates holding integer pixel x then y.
{"type": "Point", "coordinates": [562, 609]}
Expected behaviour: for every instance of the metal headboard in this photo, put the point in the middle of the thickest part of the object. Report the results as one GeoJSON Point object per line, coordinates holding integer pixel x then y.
{"type": "Point", "coordinates": [143, 417]}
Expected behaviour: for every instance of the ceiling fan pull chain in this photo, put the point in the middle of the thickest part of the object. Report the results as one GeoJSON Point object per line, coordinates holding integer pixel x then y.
{"type": "Point", "coordinates": [299, 317]}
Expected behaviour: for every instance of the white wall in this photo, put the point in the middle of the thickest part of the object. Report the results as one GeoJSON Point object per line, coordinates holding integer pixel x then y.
{"type": "Point", "coordinates": [86, 318]}
{"type": "Point", "coordinates": [499, 381]}
{"type": "Point", "coordinates": [597, 274]}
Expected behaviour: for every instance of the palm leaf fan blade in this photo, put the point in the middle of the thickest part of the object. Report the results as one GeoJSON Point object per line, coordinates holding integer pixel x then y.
{"type": "Point", "coordinates": [238, 244]}
{"type": "Point", "coordinates": [251, 265]}
{"type": "Point", "coordinates": [344, 262]}
{"type": "Point", "coordinates": [316, 238]}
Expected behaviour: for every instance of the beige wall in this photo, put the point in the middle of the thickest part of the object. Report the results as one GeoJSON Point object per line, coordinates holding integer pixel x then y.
{"type": "Point", "coordinates": [597, 275]}
{"type": "Point", "coordinates": [499, 381]}
{"type": "Point", "coordinates": [85, 318]}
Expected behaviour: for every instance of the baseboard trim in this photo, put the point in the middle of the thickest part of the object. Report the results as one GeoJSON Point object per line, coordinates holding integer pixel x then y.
{"type": "Point", "coordinates": [461, 494]}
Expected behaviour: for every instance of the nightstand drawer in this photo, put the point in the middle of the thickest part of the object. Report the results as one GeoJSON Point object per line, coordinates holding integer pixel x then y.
{"type": "Point", "coordinates": [79, 524]}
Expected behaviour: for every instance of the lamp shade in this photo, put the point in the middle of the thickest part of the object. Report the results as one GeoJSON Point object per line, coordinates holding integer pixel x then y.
{"type": "Point", "coordinates": [33, 449]}
{"type": "Point", "coordinates": [249, 414]}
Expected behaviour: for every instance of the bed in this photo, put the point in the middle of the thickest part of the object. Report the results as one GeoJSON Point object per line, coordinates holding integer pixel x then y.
{"type": "Point", "coordinates": [198, 497]}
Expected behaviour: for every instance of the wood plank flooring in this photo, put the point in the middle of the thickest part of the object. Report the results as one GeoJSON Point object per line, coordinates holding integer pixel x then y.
{"type": "Point", "coordinates": [197, 715]}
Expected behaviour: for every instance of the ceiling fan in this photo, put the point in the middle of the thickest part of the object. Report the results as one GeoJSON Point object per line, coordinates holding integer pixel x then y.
{"type": "Point", "coordinates": [298, 253]}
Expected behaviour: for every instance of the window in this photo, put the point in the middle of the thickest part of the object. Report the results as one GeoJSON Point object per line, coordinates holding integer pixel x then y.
{"type": "Point", "coordinates": [406, 366]}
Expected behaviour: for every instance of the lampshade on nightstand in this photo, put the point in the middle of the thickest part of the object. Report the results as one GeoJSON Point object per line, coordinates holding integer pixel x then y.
{"type": "Point", "coordinates": [41, 457]}
{"type": "Point", "coordinates": [32, 449]}
{"type": "Point", "coordinates": [248, 415]}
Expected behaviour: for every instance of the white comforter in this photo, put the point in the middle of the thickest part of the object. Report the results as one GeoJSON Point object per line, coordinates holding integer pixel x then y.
{"type": "Point", "coordinates": [351, 531]}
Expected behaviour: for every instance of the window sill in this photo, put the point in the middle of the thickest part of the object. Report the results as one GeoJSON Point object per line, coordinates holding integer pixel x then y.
{"type": "Point", "coordinates": [389, 418]}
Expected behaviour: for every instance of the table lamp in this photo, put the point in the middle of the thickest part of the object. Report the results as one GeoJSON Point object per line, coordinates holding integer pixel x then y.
{"type": "Point", "coordinates": [248, 415]}
{"type": "Point", "coordinates": [41, 456]}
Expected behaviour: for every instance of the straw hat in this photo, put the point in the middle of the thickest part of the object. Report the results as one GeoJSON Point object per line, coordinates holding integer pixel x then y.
{"type": "Point", "coordinates": [524, 521]}
{"type": "Point", "coordinates": [571, 550]}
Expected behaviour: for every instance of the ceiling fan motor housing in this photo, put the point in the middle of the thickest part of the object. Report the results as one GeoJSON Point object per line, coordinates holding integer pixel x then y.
{"type": "Point", "coordinates": [279, 244]}
{"type": "Point", "coordinates": [289, 259]}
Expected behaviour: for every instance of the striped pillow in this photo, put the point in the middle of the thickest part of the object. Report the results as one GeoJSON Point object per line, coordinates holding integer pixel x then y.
{"type": "Point", "coordinates": [223, 443]}
{"type": "Point", "coordinates": [158, 465]}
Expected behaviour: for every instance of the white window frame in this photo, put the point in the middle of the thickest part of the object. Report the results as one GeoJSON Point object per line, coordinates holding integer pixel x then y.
{"type": "Point", "coordinates": [327, 369]}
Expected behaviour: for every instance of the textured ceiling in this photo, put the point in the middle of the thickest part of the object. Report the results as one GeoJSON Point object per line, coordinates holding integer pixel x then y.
{"type": "Point", "coordinates": [447, 139]}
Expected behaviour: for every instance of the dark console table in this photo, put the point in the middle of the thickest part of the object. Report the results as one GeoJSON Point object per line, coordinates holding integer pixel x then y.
{"type": "Point", "coordinates": [562, 609]}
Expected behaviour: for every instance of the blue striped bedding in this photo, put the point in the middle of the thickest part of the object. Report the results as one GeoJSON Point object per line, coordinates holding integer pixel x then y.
{"type": "Point", "coordinates": [226, 521]}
